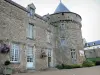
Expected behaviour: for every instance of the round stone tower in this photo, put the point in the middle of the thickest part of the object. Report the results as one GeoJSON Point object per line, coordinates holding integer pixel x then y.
{"type": "Point", "coordinates": [68, 36]}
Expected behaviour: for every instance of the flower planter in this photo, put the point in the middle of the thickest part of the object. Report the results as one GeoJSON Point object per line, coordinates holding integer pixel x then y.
{"type": "Point", "coordinates": [7, 71]}
{"type": "Point", "coordinates": [4, 48]}
{"type": "Point", "coordinates": [43, 55]}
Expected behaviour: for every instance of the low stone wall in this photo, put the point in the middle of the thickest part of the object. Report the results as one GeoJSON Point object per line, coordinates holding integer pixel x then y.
{"type": "Point", "coordinates": [92, 53]}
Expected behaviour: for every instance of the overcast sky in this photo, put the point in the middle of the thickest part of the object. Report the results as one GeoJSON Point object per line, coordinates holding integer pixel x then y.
{"type": "Point", "coordinates": [88, 9]}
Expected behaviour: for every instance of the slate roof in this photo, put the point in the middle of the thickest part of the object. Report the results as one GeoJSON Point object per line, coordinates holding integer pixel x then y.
{"type": "Point", "coordinates": [61, 8]}
{"type": "Point", "coordinates": [94, 43]}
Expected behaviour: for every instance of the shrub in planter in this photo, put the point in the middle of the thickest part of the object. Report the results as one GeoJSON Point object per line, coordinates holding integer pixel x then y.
{"type": "Point", "coordinates": [7, 63]}
{"type": "Point", "coordinates": [7, 70]}
{"type": "Point", "coordinates": [88, 63]}
{"type": "Point", "coordinates": [4, 48]}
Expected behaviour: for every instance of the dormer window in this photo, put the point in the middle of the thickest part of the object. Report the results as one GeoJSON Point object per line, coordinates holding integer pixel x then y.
{"type": "Point", "coordinates": [93, 44]}
{"type": "Point", "coordinates": [32, 11]}
{"type": "Point", "coordinates": [87, 45]}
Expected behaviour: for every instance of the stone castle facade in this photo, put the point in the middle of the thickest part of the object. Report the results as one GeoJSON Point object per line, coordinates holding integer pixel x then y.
{"type": "Point", "coordinates": [38, 42]}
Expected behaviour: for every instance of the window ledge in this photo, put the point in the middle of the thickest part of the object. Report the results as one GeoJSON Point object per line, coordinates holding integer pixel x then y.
{"type": "Point", "coordinates": [30, 38]}
{"type": "Point", "coordinates": [30, 68]}
{"type": "Point", "coordinates": [15, 62]}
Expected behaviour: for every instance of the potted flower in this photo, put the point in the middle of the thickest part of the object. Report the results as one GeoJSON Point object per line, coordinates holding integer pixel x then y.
{"type": "Point", "coordinates": [4, 48]}
{"type": "Point", "coordinates": [7, 70]}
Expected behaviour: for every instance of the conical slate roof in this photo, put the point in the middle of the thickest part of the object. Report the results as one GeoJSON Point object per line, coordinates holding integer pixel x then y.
{"type": "Point", "coordinates": [61, 8]}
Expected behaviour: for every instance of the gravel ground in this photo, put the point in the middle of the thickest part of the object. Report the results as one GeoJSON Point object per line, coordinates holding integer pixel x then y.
{"type": "Point", "coordinates": [79, 71]}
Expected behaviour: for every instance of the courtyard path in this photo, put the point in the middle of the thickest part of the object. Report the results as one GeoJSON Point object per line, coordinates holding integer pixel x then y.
{"type": "Point", "coordinates": [79, 71]}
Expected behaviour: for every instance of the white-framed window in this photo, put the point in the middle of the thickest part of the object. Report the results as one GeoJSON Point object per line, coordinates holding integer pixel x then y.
{"type": "Point", "coordinates": [49, 52]}
{"type": "Point", "coordinates": [30, 31]}
{"type": "Point", "coordinates": [73, 54]}
{"type": "Point", "coordinates": [30, 55]}
{"type": "Point", "coordinates": [14, 53]}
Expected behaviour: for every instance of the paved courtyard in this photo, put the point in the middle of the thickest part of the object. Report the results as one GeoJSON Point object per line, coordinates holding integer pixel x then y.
{"type": "Point", "coordinates": [79, 71]}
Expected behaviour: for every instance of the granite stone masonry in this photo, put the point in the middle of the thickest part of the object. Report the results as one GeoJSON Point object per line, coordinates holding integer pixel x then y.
{"type": "Point", "coordinates": [29, 35]}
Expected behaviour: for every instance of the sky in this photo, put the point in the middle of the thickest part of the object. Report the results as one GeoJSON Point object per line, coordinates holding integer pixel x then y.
{"type": "Point", "coordinates": [89, 10]}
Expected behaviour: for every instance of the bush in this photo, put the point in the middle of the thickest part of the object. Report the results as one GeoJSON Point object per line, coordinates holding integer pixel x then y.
{"type": "Point", "coordinates": [68, 67]}
{"type": "Point", "coordinates": [59, 67]}
{"type": "Point", "coordinates": [63, 66]}
{"type": "Point", "coordinates": [77, 66]}
{"type": "Point", "coordinates": [7, 63]}
{"type": "Point", "coordinates": [88, 63]}
{"type": "Point", "coordinates": [97, 62]}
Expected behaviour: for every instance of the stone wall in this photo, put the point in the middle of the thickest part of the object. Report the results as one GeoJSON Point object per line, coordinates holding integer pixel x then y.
{"type": "Point", "coordinates": [13, 29]}
{"type": "Point", "coordinates": [72, 34]}
{"type": "Point", "coordinates": [92, 53]}
{"type": "Point", "coordinates": [14, 21]}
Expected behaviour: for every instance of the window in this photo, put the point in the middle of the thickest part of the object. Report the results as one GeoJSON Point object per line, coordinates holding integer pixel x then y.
{"type": "Point", "coordinates": [32, 11]}
{"type": "Point", "coordinates": [93, 44]}
{"type": "Point", "coordinates": [88, 45]}
{"type": "Point", "coordinates": [62, 26]}
{"type": "Point", "coordinates": [63, 41]}
{"type": "Point", "coordinates": [73, 56]}
{"type": "Point", "coordinates": [49, 53]}
{"type": "Point", "coordinates": [29, 54]}
{"type": "Point", "coordinates": [14, 54]}
{"type": "Point", "coordinates": [73, 53]}
{"type": "Point", "coordinates": [30, 31]}
{"type": "Point", "coordinates": [48, 37]}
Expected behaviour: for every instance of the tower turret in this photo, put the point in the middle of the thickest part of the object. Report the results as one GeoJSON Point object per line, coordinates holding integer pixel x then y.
{"type": "Point", "coordinates": [68, 35]}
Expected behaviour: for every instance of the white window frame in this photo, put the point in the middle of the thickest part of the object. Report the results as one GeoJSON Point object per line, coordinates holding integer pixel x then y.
{"type": "Point", "coordinates": [30, 53]}
{"type": "Point", "coordinates": [73, 53]}
{"type": "Point", "coordinates": [15, 53]}
{"type": "Point", "coordinates": [49, 52]}
{"type": "Point", "coordinates": [30, 31]}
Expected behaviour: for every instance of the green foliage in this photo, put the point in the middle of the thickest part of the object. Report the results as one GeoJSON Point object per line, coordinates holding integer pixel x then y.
{"type": "Point", "coordinates": [63, 66]}
{"type": "Point", "coordinates": [95, 60]}
{"type": "Point", "coordinates": [7, 62]}
{"type": "Point", "coordinates": [88, 63]}
{"type": "Point", "coordinates": [59, 67]}
{"type": "Point", "coordinates": [77, 66]}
